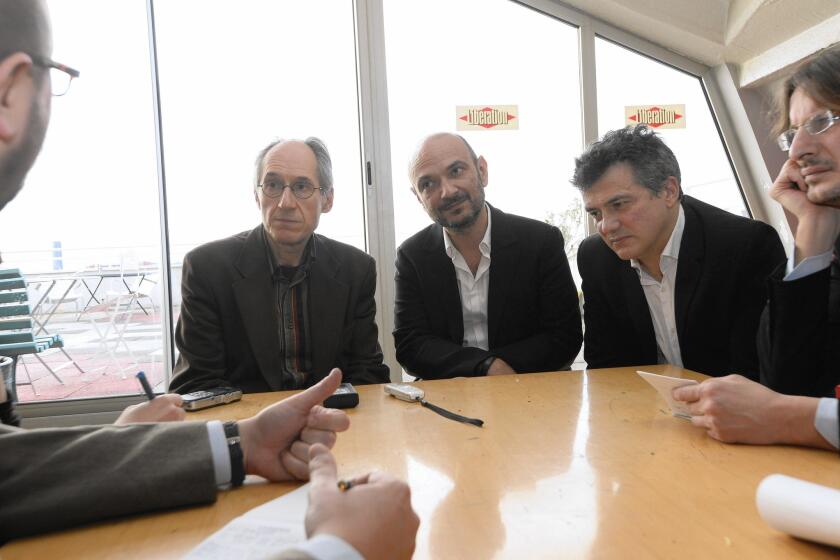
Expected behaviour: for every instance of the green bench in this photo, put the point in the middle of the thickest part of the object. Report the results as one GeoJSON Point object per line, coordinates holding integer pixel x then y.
{"type": "Point", "coordinates": [17, 336]}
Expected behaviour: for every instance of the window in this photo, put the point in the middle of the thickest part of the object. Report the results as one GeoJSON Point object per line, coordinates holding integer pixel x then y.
{"type": "Point", "coordinates": [85, 231]}
{"type": "Point", "coordinates": [626, 78]}
{"type": "Point", "coordinates": [515, 56]}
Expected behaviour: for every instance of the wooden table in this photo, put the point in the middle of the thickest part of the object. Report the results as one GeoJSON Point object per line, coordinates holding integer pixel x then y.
{"type": "Point", "coordinates": [568, 465]}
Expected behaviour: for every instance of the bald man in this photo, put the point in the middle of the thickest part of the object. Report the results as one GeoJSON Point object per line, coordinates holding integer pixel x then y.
{"type": "Point", "coordinates": [479, 292]}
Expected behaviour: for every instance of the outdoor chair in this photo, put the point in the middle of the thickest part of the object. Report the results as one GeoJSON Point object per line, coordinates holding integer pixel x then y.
{"type": "Point", "coordinates": [17, 335]}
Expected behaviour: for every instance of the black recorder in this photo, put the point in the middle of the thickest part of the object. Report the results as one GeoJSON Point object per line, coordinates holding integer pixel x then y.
{"type": "Point", "coordinates": [344, 397]}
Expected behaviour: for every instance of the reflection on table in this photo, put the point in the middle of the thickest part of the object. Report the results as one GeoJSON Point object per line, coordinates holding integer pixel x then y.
{"type": "Point", "coordinates": [568, 465]}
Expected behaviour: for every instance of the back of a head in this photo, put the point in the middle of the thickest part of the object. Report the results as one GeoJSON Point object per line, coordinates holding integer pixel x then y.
{"type": "Point", "coordinates": [651, 160]}
{"type": "Point", "coordinates": [24, 27]}
{"type": "Point", "coordinates": [819, 78]}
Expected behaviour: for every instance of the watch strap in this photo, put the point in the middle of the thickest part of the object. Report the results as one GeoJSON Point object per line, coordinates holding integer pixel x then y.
{"type": "Point", "coordinates": [237, 460]}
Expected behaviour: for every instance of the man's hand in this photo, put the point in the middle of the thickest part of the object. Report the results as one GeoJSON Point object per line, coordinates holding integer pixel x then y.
{"type": "Point", "coordinates": [734, 409]}
{"type": "Point", "coordinates": [814, 226]}
{"type": "Point", "coordinates": [500, 367]}
{"type": "Point", "coordinates": [275, 442]}
{"type": "Point", "coordinates": [374, 516]}
{"type": "Point", "coordinates": [163, 408]}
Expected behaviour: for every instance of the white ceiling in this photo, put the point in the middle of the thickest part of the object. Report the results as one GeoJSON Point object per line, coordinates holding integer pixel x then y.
{"type": "Point", "coordinates": [759, 38]}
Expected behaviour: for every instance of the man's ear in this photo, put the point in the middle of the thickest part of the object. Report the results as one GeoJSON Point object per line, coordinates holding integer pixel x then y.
{"type": "Point", "coordinates": [328, 201]}
{"type": "Point", "coordinates": [16, 95]}
{"type": "Point", "coordinates": [671, 192]}
{"type": "Point", "coordinates": [481, 164]}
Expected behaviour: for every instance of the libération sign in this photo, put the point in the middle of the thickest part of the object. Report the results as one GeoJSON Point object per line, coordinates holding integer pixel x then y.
{"type": "Point", "coordinates": [655, 116]}
{"type": "Point", "coordinates": [487, 117]}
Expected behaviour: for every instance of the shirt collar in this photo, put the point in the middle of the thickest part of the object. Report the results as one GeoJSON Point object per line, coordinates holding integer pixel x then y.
{"type": "Point", "coordinates": [671, 251]}
{"type": "Point", "coordinates": [309, 254]}
{"type": "Point", "coordinates": [483, 246]}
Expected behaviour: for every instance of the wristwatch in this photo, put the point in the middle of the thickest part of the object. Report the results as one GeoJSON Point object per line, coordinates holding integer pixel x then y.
{"type": "Point", "coordinates": [237, 461]}
{"type": "Point", "coordinates": [484, 365]}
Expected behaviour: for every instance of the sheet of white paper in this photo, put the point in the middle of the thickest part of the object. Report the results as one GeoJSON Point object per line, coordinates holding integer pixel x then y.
{"type": "Point", "coordinates": [260, 532]}
{"type": "Point", "coordinates": [802, 509]}
{"type": "Point", "coordinates": [664, 385]}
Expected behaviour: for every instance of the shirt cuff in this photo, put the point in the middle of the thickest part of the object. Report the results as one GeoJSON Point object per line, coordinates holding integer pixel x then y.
{"type": "Point", "coordinates": [219, 449]}
{"type": "Point", "coordinates": [329, 547]}
{"type": "Point", "coordinates": [825, 421]}
{"type": "Point", "coordinates": [808, 265]}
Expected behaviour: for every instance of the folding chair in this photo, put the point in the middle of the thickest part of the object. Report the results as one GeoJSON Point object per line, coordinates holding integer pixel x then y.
{"type": "Point", "coordinates": [109, 320]}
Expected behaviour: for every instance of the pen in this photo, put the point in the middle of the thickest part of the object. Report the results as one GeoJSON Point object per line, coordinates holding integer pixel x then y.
{"type": "Point", "coordinates": [145, 383]}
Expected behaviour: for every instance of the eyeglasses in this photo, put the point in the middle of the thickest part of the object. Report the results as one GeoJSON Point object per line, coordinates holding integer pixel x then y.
{"type": "Point", "coordinates": [301, 189]}
{"type": "Point", "coordinates": [60, 75]}
{"type": "Point", "coordinates": [817, 124]}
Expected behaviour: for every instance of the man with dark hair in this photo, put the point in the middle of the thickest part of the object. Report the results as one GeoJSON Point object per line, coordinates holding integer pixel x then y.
{"type": "Point", "coordinates": [799, 338]}
{"type": "Point", "coordinates": [479, 292]}
{"type": "Point", "coordinates": [56, 478]}
{"type": "Point", "coordinates": [279, 306]}
{"type": "Point", "coordinates": [668, 279]}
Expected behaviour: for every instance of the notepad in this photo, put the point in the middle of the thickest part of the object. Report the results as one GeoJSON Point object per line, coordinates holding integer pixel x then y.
{"type": "Point", "coordinates": [261, 531]}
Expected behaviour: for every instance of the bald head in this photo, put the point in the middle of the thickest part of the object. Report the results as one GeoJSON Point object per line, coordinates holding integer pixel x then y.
{"type": "Point", "coordinates": [432, 141]}
{"type": "Point", "coordinates": [24, 91]}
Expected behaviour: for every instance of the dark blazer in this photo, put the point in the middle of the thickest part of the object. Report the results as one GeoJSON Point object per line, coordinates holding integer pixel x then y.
{"type": "Point", "coordinates": [723, 265]}
{"type": "Point", "coordinates": [55, 478]}
{"type": "Point", "coordinates": [533, 317]}
{"type": "Point", "coordinates": [227, 332]}
{"type": "Point", "coordinates": [799, 338]}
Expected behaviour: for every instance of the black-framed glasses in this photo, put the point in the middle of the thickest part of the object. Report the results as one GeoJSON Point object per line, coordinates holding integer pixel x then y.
{"type": "Point", "coordinates": [61, 76]}
{"type": "Point", "coordinates": [301, 189]}
{"type": "Point", "coordinates": [817, 124]}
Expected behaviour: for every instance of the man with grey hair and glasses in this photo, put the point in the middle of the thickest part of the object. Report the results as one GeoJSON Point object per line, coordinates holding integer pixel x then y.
{"type": "Point", "coordinates": [278, 307]}
{"type": "Point", "coordinates": [799, 338]}
{"type": "Point", "coordinates": [668, 278]}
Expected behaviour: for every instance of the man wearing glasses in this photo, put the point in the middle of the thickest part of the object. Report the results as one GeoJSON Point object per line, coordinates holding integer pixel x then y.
{"type": "Point", "coordinates": [799, 341]}
{"type": "Point", "coordinates": [799, 338]}
{"type": "Point", "coordinates": [278, 307]}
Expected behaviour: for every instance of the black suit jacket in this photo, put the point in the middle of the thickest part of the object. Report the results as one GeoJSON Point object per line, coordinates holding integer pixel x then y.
{"type": "Point", "coordinates": [799, 339]}
{"type": "Point", "coordinates": [227, 332]}
{"type": "Point", "coordinates": [533, 317]}
{"type": "Point", "coordinates": [724, 261]}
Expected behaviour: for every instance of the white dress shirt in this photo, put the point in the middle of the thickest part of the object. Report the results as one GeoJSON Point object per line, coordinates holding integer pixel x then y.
{"type": "Point", "coordinates": [807, 266]}
{"type": "Point", "coordinates": [474, 290]}
{"type": "Point", "coordinates": [660, 296]}
{"type": "Point", "coordinates": [825, 421]}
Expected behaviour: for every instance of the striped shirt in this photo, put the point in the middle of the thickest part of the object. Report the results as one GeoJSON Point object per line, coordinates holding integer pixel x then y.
{"type": "Point", "coordinates": [291, 288]}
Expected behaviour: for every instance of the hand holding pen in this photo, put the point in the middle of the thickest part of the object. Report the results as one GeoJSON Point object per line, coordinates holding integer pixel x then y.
{"type": "Point", "coordinates": [163, 408]}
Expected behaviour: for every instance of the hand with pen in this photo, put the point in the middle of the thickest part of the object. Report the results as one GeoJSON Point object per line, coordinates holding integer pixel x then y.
{"type": "Point", "coordinates": [372, 513]}
{"type": "Point", "coordinates": [163, 408]}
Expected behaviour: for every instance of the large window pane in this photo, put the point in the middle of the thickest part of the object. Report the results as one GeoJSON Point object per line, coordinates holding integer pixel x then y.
{"type": "Point", "coordinates": [85, 230]}
{"type": "Point", "coordinates": [238, 80]}
{"type": "Point", "coordinates": [626, 78]}
{"type": "Point", "coordinates": [442, 55]}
